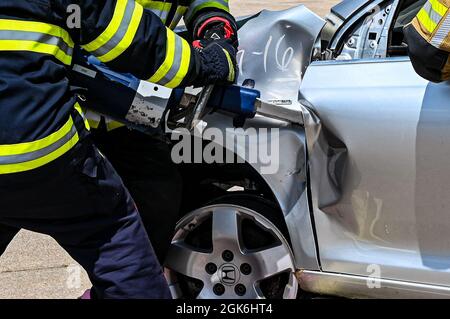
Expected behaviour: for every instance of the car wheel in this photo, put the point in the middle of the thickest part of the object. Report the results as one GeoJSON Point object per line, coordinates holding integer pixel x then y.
{"type": "Point", "coordinates": [232, 248]}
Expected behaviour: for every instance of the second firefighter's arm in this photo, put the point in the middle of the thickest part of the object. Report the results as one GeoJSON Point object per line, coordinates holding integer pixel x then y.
{"type": "Point", "coordinates": [428, 41]}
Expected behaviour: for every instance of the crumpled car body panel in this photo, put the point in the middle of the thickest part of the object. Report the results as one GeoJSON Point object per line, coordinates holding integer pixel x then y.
{"type": "Point", "coordinates": [275, 50]}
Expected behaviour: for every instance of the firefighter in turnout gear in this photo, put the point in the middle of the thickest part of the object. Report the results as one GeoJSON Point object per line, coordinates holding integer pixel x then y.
{"type": "Point", "coordinates": [53, 180]}
{"type": "Point", "coordinates": [143, 161]}
{"type": "Point", "coordinates": [428, 38]}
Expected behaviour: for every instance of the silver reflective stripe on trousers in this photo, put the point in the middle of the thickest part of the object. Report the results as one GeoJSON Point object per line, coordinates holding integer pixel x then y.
{"type": "Point", "coordinates": [27, 157]}
{"type": "Point", "coordinates": [120, 34]}
{"type": "Point", "coordinates": [176, 62]}
{"type": "Point", "coordinates": [37, 37]}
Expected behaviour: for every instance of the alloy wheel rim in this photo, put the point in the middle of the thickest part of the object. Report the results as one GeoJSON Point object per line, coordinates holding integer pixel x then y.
{"type": "Point", "coordinates": [228, 269]}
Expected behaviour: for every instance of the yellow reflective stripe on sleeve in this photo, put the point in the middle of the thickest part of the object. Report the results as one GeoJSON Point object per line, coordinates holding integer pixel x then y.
{"type": "Point", "coordinates": [16, 35]}
{"type": "Point", "coordinates": [111, 29]}
{"type": "Point", "coordinates": [119, 34]}
{"type": "Point", "coordinates": [161, 9]}
{"type": "Point", "coordinates": [168, 61]}
{"type": "Point", "coordinates": [430, 16]}
{"type": "Point", "coordinates": [181, 11]}
{"type": "Point", "coordinates": [27, 156]}
{"type": "Point", "coordinates": [175, 66]}
{"type": "Point", "coordinates": [158, 5]}
{"type": "Point", "coordinates": [127, 40]}
{"type": "Point", "coordinates": [438, 7]}
{"type": "Point", "coordinates": [183, 68]}
{"type": "Point", "coordinates": [197, 5]}
{"type": "Point", "coordinates": [426, 21]}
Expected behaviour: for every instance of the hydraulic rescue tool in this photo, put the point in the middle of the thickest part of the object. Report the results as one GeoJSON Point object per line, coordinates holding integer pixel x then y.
{"type": "Point", "coordinates": [150, 107]}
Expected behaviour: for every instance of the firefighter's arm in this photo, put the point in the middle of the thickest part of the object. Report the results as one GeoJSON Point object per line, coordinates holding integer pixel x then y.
{"type": "Point", "coordinates": [428, 41]}
{"type": "Point", "coordinates": [211, 19]}
{"type": "Point", "coordinates": [127, 38]}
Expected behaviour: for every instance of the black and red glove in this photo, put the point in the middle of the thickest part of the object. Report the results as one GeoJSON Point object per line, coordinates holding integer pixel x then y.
{"type": "Point", "coordinates": [216, 63]}
{"type": "Point", "coordinates": [214, 26]}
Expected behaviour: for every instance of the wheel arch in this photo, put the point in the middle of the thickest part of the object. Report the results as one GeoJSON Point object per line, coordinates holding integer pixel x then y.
{"type": "Point", "coordinates": [286, 186]}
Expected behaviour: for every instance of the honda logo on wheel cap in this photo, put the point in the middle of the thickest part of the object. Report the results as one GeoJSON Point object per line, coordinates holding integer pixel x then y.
{"type": "Point", "coordinates": [229, 274]}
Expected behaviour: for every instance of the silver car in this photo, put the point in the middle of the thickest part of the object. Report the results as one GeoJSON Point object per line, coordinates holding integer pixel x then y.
{"type": "Point", "coordinates": [359, 203]}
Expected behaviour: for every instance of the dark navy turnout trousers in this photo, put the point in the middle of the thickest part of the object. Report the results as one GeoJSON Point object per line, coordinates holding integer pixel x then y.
{"type": "Point", "coordinates": [81, 202]}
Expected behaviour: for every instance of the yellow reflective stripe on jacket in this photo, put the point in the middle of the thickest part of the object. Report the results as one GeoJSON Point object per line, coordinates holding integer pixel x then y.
{"type": "Point", "coordinates": [38, 37]}
{"type": "Point", "coordinates": [438, 7]}
{"type": "Point", "coordinates": [197, 5]}
{"type": "Point", "coordinates": [161, 9]}
{"type": "Point", "coordinates": [176, 63]}
{"type": "Point", "coordinates": [119, 34]}
{"type": "Point", "coordinates": [181, 11]}
{"type": "Point", "coordinates": [430, 15]}
{"type": "Point", "coordinates": [81, 112]}
{"type": "Point", "coordinates": [22, 157]}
